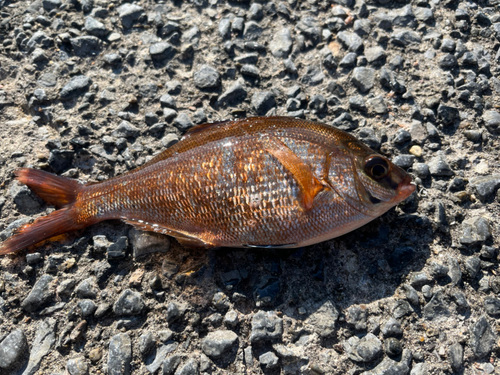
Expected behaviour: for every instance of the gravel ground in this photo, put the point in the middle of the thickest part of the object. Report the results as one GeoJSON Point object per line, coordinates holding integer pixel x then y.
{"type": "Point", "coordinates": [92, 88]}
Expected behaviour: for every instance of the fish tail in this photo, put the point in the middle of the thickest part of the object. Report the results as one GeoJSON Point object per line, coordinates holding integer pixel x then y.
{"type": "Point", "coordinates": [57, 191]}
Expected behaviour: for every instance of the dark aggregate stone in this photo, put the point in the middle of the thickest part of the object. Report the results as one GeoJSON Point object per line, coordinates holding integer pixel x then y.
{"type": "Point", "coordinates": [324, 319]}
{"type": "Point", "coordinates": [475, 230]}
{"type": "Point", "coordinates": [24, 199]}
{"type": "Point", "coordinates": [482, 338]}
{"type": "Point", "coordinates": [39, 39]}
{"type": "Point", "coordinates": [76, 86]}
{"type": "Point", "coordinates": [455, 273]}
{"type": "Point", "coordinates": [263, 101]}
{"type": "Point", "coordinates": [492, 121]}
{"type": "Point", "coordinates": [438, 166]}
{"type": "Point", "coordinates": [86, 45]}
{"type": "Point", "coordinates": [129, 13]}
{"type": "Point", "coordinates": [96, 28]}
{"type": "Point", "coordinates": [234, 94]}
{"type": "Point", "coordinates": [363, 78]}
{"type": "Point", "coordinates": [77, 366]}
{"type": "Point", "coordinates": [404, 161]}
{"type": "Point", "coordinates": [268, 360]}
{"type": "Point", "coordinates": [13, 349]}
{"type": "Point", "coordinates": [357, 316]}
{"type": "Point", "coordinates": [266, 326]}
{"type": "Point", "coordinates": [125, 129]}
{"type": "Point", "coordinates": [377, 105]}
{"type": "Point", "coordinates": [484, 187]}
{"type": "Point", "coordinates": [252, 30]}
{"type": "Point", "coordinates": [206, 77]}
{"type": "Point", "coordinates": [348, 61]}
{"type": "Point", "coordinates": [162, 51]}
{"type": "Point", "coordinates": [61, 160]}
{"type": "Point", "coordinates": [472, 266]}
{"type": "Point", "coordinates": [456, 353]}
{"type": "Point", "coordinates": [392, 347]}
{"type": "Point", "coordinates": [225, 28]}
{"type": "Point", "coordinates": [215, 344]}
{"type": "Point", "coordinates": [86, 289]}
{"type": "Point", "coordinates": [389, 366]}
{"type": "Point", "coordinates": [375, 55]}
{"type": "Point", "coordinates": [405, 37]}
{"type": "Point", "coordinates": [87, 306]}
{"type": "Point", "coordinates": [128, 303]}
{"type": "Point", "coordinates": [120, 355]}
{"type": "Point", "coordinates": [168, 101]}
{"type": "Point", "coordinates": [41, 294]}
{"type": "Point", "coordinates": [369, 348]}
{"type": "Point", "coordinates": [183, 122]}
{"type": "Point", "coordinates": [281, 44]}
{"type": "Point", "coordinates": [447, 114]}
{"type": "Point", "coordinates": [250, 70]}
{"type": "Point", "coordinates": [171, 363]}
{"type": "Point", "coordinates": [439, 270]}
{"type": "Point", "coordinates": [313, 76]}
{"type": "Point", "coordinates": [351, 41]}
{"type": "Point", "coordinates": [421, 170]}
{"type": "Point", "coordinates": [147, 343]}
{"type": "Point", "coordinates": [448, 61]}
{"type": "Point", "coordinates": [161, 353]}
{"type": "Point", "coordinates": [436, 307]}
{"type": "Point", "coordinates": [492, 306]}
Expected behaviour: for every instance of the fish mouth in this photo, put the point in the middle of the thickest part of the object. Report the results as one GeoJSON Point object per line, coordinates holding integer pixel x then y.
{"type": "Point", "coordinates": [405, 189]}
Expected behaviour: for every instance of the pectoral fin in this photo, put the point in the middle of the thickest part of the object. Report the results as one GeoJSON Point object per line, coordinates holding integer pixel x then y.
{"type": "Point", "coordinates": [185, 239]}
{"type": "Point", "coordinates": [309, 185]}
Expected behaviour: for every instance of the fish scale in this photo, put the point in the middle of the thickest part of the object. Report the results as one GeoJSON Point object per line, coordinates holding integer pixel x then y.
{"type": "Point", "coordinates": [265, 181]}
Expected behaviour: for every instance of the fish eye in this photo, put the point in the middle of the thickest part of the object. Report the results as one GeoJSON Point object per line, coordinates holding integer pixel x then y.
{"type": "Point", "coordinates": [376, 167]}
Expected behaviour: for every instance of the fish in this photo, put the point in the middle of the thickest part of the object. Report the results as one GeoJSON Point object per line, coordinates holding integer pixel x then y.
{"type": "Point", "coordinates": [272, 182]}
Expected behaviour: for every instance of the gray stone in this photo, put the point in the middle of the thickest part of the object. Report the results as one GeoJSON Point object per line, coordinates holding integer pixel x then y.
{"type": "Point", "coordinates": [250, 70]}
{"type": "Point", "coordinates": [456, 354]}
{"type": "Point", "coordinates": [482, 338]}
{"type": "Point", "coordinates": [323, 319]}
{"type": "Point", "coordinates": [86, 45]}
{"type": "Point", "coordinates": [437, 307]}
{"type": "Point", "coordinates": [348, 61]}
{"type": "Point", "coordinates": [39, 39]}
{"type": "Point", "coordinates": [125, 129]}
{"type": "Point", "coordinates": [49, 5]}
{"type": "Point", "coordinates": [174, 312]}
{"type": "Point", "coordinates": [217, 343]}
{"type": "Point", "coordinates": [86, 289]}
{"type": "Point", "coordinates": [161, 354]}
{"type": "Point", "coordinates": [448, 61]}
{"type": "Point", "coordinates": [438, 166]}
{"type": "Point", "coordinates": [281, 44]}
{"type": "Point", "coordinates": [356, 316]}
{"type": "Point", "coordinates": [147, 343]}
{"type": "Point", "coordinates": [183, 122]}
{"type": "Point", "coordinates": [313, 76]}
{"type": "Point", "coordinates": [377, 105]}
{"type": "Point", "coordinates": [24, 199]}
{"type": "Point", "coordinates": [266, 326]}
{"type": "Point", "coordinates": [492, 121]}
{"type": "Point", "coordinates": [421, 170]}
{"type": "Point", "coordinates": [87, 306]}
{"type": "Point", "coordinates": [120, 355]}
{"type": "Point", "coordinates": [392, 328]}
{"type": "Point", "coordinates": [234, 94]}
{"type": "Point", "coordinates": [391, 367]}
{"type": "Point", "coordinates": [247, 58]}
{"type": "Point", "coordinates": [129, 13]}
{"type": "Point", "coordinates": [375, 55]}
{"type": "Point", "coordinates": [484, 187]}
{"type": "Point", "coordinates": [147, 242]}
{"type": "Point", "coordinates": [168, 101]}
{"type": "Point", "coordinates": [191, 367]}
{"type": "Point", "coordinates": [206, 78]}
{"type": "Point", "coordinates": [96, 28]}
{"type": "Point", "coordinates": [492, 306]}
{"type": "Point", "coordinates": [472, 266]}
{"type": "Point", "coordinates": [252, 30]}
{"type": "Point", "coordinates": [45, 338]}
{"type": "Point", "coordinates": [423, 14]}
{"type": "Point", "coordinates": [128, 303]}
{"type": "Point", "coordinates": [41, 293]}
{"type": "Point", "coordinates": [369, 348]}
{"type": "Point", "coordinates": [225, 28]}
{"type": "Point", "coordinates": [392, 347]}
{"type": "Point", "coordinates": [263, 101]}
{"type": "Point", "coordinates": [77, 366]}
{"type": "Point", "coordinates": [351, 41]}
{"type": "Point", "coordinates": [170, 364]}
{"type": "Point", "coordinates": [162, 51]}
{"type": "Point", "coordinates": [363, 78]}
{"type": "Point", "coordinates": [13, 348]}
{"type": "Point", "coordinates": [419, 369]}
{"type": "Point", "coordinates": [268, 360]}
{"type": "Point", "coordinates": [405, 37]}
{"type": "Point", "coordinates": [475, 230]}
{"type": "Point", "coordinates": [76, 86]}
{"type": "Point", "coordinates": [448, 115]}
{"type": "Point", "coordinates": [404, 161]}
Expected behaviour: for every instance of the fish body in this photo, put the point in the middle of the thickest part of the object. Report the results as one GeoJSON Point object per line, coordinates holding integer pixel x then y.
{"type": "Point", "coordinates": [263, 181]}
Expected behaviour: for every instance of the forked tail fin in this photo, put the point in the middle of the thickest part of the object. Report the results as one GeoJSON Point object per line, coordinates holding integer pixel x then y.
{"type": "Point", "coordinates": [55, 190]}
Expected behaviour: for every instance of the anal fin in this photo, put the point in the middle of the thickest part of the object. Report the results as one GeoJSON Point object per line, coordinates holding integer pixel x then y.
{"type": "Point", "coordinates": [185, 239]}
{"type": "Point", "coordinates": [309, 185]}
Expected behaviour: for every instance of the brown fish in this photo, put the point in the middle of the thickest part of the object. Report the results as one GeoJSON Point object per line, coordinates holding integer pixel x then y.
{"type": "Point", "coordinates": [257, 182]}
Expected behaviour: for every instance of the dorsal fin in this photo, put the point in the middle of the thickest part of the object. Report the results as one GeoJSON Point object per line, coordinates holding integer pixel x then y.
{"type": "Point", "coordinates": [205, 127]}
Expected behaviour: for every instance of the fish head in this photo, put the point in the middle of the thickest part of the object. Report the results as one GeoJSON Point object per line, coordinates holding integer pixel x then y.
{"type": "Point", "coordinates": [373, 183]}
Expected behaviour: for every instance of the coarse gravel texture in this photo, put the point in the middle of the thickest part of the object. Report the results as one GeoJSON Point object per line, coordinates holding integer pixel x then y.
{"type": "Point", "coordinates": [90, 89]}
